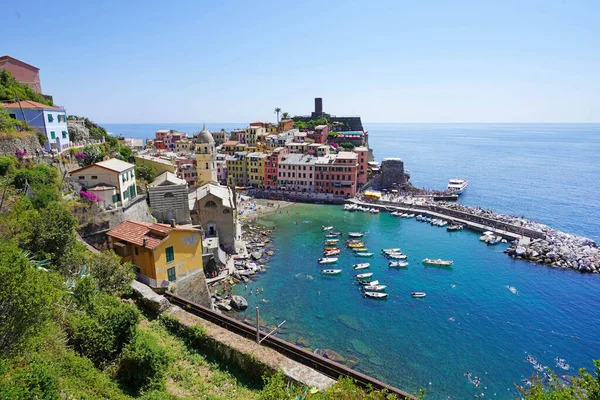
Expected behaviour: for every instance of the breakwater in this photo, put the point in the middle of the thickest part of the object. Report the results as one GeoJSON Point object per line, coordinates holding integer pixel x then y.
{"type": "Point", "coordinates": [532, 241]}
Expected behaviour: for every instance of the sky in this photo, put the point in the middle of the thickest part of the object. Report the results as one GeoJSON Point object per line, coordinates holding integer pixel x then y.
{"type": "Point", "coordinates": [387, 61]}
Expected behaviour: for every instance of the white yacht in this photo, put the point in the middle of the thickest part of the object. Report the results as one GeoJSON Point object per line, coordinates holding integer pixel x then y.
{"type": "Point", "coordinates": [457, 185]}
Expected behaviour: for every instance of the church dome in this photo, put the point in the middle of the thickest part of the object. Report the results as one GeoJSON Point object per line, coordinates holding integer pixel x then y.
{"type": "Point", "coordinates": [204, 137]}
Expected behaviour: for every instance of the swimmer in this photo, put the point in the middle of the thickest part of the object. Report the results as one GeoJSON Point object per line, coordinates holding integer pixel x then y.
{"type": "Point", "coordinates": [265, 300]}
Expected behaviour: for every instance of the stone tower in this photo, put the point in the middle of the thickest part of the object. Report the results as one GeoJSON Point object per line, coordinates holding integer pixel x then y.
{"type": "Point", "coordinates": [206, 157]}
{"type": "Point", "coordinates": [392, 174]}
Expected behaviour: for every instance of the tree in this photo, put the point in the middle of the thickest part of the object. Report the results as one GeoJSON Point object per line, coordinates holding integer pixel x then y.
{"type": "Point", "coordinates": [112, 276]}
{"type": "Point", "coordinates": [93, 154]}
{"type": "Point", "coordinates": [583, 386]}
{"type": "Point", "coordinates": [125, 152]}
{"type": "Point", "coordinates": [27, 298]}
{"type": "Point", "coordinates": [277, 111]}
{"type": "Point", "coordinates": [285, 115]}
{"type": "Point", "coordinates": [145, 172]}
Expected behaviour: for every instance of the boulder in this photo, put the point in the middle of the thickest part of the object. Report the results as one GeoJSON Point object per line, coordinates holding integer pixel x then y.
{"type": "Point", "coordinates": [148, 299]}
{"type": "Point", "coordinates": [520, 251]}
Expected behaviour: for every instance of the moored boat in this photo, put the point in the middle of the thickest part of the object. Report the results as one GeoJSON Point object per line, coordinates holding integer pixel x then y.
{"type": "Point", "coordinates": [360, 249]}
{"type": "Point", "coordinates": [375, 288]}
{"type": "Point", "coordinates": [398, 264]}
{"type": "Point", "coordinates": [331, 241]}
{"type": "Point", "coordinates": [364, 276]}
{"type": "Point", "coordinates": [376, 295]}
{"type": "Point", "coordinates": [331, 271]}
{"type": "Point", "coordinates": [372, 283]}
{"type": "Point", "coordinates": [328, 260]}
{"type": "Point", "coordinates": [363, 254]}
{"type": "Point", "coordinates": [455, 227]}
{"type": "Point", "coordinates": [330, 248]}
{"type": "Point", "coordinates": [361, 266]}
{"type": "Point", "coordinates": [418, 294]}
{"type": "Point", "coordinates": [397, 256]}
{"type": "Point", "coordinates": [355, 234]}
{"type": "Point", "coordinates": [457, 185]}
{"type": "Point", "coordinates": [331, 252]}
{"type": "Point", "coordinates": [356, 244]}
{"type": "Point", "coordinates": [330, 235]}
{"type": "Point", "coordinates": [439, 262]}
{"type": "Point", "coordinates": [326, 228]}
{"type": "Point", "coordinates": [394, 250]}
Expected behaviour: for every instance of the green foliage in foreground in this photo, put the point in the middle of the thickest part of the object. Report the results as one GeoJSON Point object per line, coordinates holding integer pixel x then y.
{"type": "Point", "coordinates": [145, 173]}
{"type": "Point", "coordinates": [10, 89]}
{"type": "Point", "coordinates": [583, 386]}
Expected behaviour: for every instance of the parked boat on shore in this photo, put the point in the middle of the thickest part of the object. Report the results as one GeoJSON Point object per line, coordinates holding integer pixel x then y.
{"type": "Point", "coordinates": [439, 262]}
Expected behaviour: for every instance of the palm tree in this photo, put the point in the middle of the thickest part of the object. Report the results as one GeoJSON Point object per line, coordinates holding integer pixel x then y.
{"type": "Point", "coordinates": [277, 111]}
{"type": "Point", "coordinates": [285, 115]}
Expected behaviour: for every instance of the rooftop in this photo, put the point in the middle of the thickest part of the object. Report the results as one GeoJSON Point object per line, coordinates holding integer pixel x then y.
{"type": "Point", "coordinates": [31, 105]}
{"type": "Point", "coordinates": [298, 159]}
{"type": "Point", "coordinates": [347, 155]}
{"type": "Point", "coordinates": [222, 192]}
{"type": "Point", "coordinates": [135, 232]}
{"type": "Point", "coordinates": [159, 160]}
{"type": "Point", "coordinates": [9, 58]}
{"type": "Point", "coordinates": [231, 143]}
{"type": "Point", "coordinates": [166, 178]}
{"type": "Point", "coordinates": [113, 165]}
{"type": "Point", "coordinates": [257, 154]}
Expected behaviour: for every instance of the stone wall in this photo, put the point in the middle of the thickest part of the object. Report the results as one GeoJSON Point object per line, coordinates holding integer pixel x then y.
{"type": "Point", "coordinates": [29, 141]}
{"type": "Point", "coordinates": [170, 202]}
{"type": "Point", "coordinates": [194, 288]}
{"type": "Point", "coordinates": [391, 176]}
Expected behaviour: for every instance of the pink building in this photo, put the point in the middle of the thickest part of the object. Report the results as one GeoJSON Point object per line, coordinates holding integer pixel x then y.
{"type": "Point", "coordinates": [272, 166]}
{"type": "Point", "coordinates": [295, 172]}
{"type": "Point", "coordinates": [363, 165]}
{"type": "Point", "coordinates": [186, 169]}
{"type": "Point", "coordinates": [221, 168]}
{"type": "Point", "coordinates": [319, 135]}
{"type": "Point", "coordinates": [24, 73]}
{"type": "Point", "coordinates": [336, 174]}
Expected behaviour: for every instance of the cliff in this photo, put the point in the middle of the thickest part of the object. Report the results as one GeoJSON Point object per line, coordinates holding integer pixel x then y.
{"type": "Point", "coordinates": [11, 143]}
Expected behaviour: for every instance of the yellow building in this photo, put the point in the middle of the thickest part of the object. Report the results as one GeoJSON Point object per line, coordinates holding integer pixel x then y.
{"type": "Point", "coordinates": [160, 164]}
{"type": "Point", "coordinates": [255, 167]}
{"type": "Point", "coordinates": [206, 162]}
{"type": "Point", "coordinates": [161, 253]}
{"type": "Point", "coordinates": [237, 174]}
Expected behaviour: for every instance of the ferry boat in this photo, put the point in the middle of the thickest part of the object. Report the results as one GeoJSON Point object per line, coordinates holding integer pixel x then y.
{"type": "Point", "coordinates": [439, 262]}
{"type": "Point", "coordinates": [457, 185]}
{"type": "Point", "coordinates": [376, 295]}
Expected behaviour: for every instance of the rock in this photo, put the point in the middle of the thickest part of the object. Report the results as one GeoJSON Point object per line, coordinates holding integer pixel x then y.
{"type": "Point", "coordinates": [520, 251]}
{"type": "Point", "coordinates": [239, 303]}
{"type": "Point", "coordinates": [150, 300]}
{"type": "Point", "coordinates": [302, 342]}
{"type": "Point", "coordinates": [334, 356]}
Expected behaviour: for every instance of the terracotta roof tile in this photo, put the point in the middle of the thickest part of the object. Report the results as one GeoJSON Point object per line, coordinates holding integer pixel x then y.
{"type": "Point", "coordinates": [136, 232]}
{"type": "Point", "coordinates": [28, 105]}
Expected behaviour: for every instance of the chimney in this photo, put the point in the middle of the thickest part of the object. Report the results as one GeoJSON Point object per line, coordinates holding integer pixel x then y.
{"type": "Point", "coordinates": [173, 224]}
{"type": "Point", "coordinates": [318, 105]}
{"type": "Point", "coordinates": [145, 242]}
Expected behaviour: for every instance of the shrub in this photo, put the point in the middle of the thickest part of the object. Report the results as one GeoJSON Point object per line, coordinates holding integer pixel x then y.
{"type": "Point", "coordinates": [192, 335]}
{"type": "Point", "coordinates": [39, 175]}
{"type": "Point", "coordinates": [112, 276]}
{"type": "Point", "coordinates": [89, 196]}
{"type": "Point", "coordinates": [276, 388]}
{"type": "Point", "coordinates": [41, 137]}
{"type": "Point", "coordinates": [8, 165]}
{"type": "Point", "coordinates": [143, 364]}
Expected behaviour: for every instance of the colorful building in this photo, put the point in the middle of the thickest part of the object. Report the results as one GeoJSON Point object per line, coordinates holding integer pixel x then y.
{"type": "Point", "coordinates": [205, 157]}
{"type": "Point", "coordinates": [237, 174]}
{"type": "Point", "coordinates": [271, 166]}
{"type": "Point", "coordinates": [112, 180]}
{"type": "Point", "coordinates": [161, 253]}
{"type": "Point", "coordinates": [222, 168]}
{"type": "Point", "coordinates": [363, 165]}
{"type": "Point", "coordinates": [297, 148]}
{"type": "Point", "coordinates": [255, 167]}
{"type": "Point", "coordinates": [295, 172]}
{"type": "Point", "coordinates": [319, 135]}
{"type": "Point", "coordinates": [186, 169]}
{"type": "Point", "coordinates": [336, 174]}
{"type": "Point", "coordinates": [255, 134]}
{"type": "Point", "coordinates": [285, 125]}
{"type": "Point", "coordinates": [229, 147]}
{"type": "Point", "coordinates": [161, 164]}
{"type": "Point", "coordinates": [48, 119]}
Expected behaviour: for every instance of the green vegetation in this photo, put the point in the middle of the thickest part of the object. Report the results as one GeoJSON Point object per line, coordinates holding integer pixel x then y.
{"type": "Point", "coordinates": [145, 173]}
{"type": "Point", "coordinates": [277, 111]}
{"type": "Point", "coordinates": [10, 127]}
{"type": "Point", "coordinates": [583, 386]}
{"type": "Point", "coordinates": [347, 145]}
{"type": "Point", "coordinates": [10, 89]}
{"type": "Point", "coordinates": [310, 124]}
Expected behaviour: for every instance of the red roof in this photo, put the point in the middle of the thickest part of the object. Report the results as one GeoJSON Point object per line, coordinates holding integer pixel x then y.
{"type": "Point", "coordinates": [230, 143]}
{"type": "Point", "coordinates": [31, 105]}
{"type": "Point", "coordinates": [135, 232]}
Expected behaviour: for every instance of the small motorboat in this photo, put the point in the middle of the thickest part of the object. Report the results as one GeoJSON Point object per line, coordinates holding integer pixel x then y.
{"type": "Point", "coordinates": [374, 211]}
{"type": "Point", "coordinates": [398, 264]}
{"type": "Point", "coordinates": [356, 244]}
{"type": "Point", "coordinates": [330, 248]}
{"type": "Point", "coordinates": [434, 221]}
{"type": "Point", "coordinates": [410, 216]}
{"type": "Point", "coordinates": [418, 295]}
{"type": "Point", "coordinates": [326, 228]}
{"type": "Point", "coordinates": [360, 249]}
{"type": "Point", "coordinates": [397, 256]}
{"type": "Point", "coordinates": [363, 254]}
{"type": "Point", "coordinates": [494, 240]}
{"type": "Point", "coordinates": [486, 236]}
{"type": "Point", "coordinates": [356, 234]}
{"type": "Point", "coordinates": [419, 217]}
{"type": "Point", "coordinates": [364, 276]}
{"type": "Point", "coordinates": [361, 265]}
{"type": "Point", "coordinates": [372, 283]}
{"type": "Point", "coordinates": [454, 227]}
{"type": "Point", "coordinates": [376, 295]}
{"type": "Point", "coordinates": [328, 260]}
{"type": "Point", "coordinates": [394, 250]}
{"type": "Point", "coordinates": [330, 236]}
{"type": "Point", "coordinates": [396, 214]}
{"type": "Point", "coordinates": [331, 252]}
{"type": "Point", "coordinates": [439, 262]}
{"type": "Point", "coordinates": [375, 288]}
{"type": "Point", "coordinates": [562, 363]}
{"type": "Point", "coordinates": [441, 224]}
{"type": "Point", "coordinates": [513, 289]}
{"type": "Point", "coordinates": [329, 242]}
{"type": "Point", "coordinates": [331, 271]}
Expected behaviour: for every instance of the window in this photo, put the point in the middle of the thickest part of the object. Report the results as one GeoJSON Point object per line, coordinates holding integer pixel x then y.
{"type": "Point", "coordinates": [52, 133]}
{"type": "Point", "coordinates": [13, 116]}
{"type": "Point", "coordinates": [64, 134]}
{"type": "Point", "coordinates": [93, 177]}
{"type": "Point", "coordinates": [136, 251]}
{"type": "Point", "coordinates": [81, 177]}
{"type": "Point", "coordinates": [50, 119]}
{"type": "Point", "coordinates": [210, 204]}
{"type": "Point", "coordinates": [169, 195]}
{"type": "Point", "coordinates": [171, 274]}
{"type": "Point", "coordinates": [170, 255]}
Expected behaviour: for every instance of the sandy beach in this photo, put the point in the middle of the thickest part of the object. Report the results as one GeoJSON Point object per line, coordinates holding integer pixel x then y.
{"type": "Point", "coordinates": [250, 209]}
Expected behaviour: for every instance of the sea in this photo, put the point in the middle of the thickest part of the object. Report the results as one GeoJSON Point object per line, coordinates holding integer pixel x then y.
{"type": "Point", "coordinates": [469, 323]}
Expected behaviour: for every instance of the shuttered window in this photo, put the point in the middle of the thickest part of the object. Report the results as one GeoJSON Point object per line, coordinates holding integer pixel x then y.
{"type": "Point", "coordinates": [170, 255]}
{"type": "Point", "coordinates": [171, 274]}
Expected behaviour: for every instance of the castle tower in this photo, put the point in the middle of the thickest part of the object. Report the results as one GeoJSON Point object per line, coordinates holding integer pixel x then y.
{"type": "Point", "coordinates": [206, 158]}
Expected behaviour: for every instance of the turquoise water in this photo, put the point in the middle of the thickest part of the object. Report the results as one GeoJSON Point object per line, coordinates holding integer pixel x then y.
{"type": "Point", "coordinates": [547, 172]}
{"type": "Point", "coordinates": [412, 343]}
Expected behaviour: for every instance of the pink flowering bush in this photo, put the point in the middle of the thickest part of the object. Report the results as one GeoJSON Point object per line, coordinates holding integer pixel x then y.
{"type": "Point", "coordinates": [80, 156]}
{"type": "Point", "coordinates": [91, 197]}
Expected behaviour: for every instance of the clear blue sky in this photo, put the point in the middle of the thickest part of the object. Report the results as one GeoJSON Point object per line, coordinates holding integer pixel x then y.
{"type": "Point", "coordinates": [388, 61]}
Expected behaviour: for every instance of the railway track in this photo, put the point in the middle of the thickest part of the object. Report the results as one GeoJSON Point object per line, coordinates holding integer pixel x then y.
{"type": "Point", "coordinates": [312, 360]}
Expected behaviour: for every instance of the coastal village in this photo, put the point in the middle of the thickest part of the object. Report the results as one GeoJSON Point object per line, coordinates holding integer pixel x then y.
{"type": "Point", "coordinates": [181, 206]}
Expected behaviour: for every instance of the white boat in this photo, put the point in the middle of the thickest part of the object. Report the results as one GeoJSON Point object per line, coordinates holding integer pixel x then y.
{"type": "Point", "coordinates": [442, 223]}
{"type": "Point", "coordinates": [328, 253]}
{"type": "Point", "coordinates": [331, 235]}
{"type": "Point", "coordinates": [486, 236]}
{"type": "Point", "coordinates": [494, 240]}
{"type": "Point", "coordinates": [375, 288]}
{"type": "Point", "coordinates": [331, 271]}
{"type": "Point", "coordinates": [374, 210]}
{"type": "Point", "coordinates": [350, 207]}
{"type": "Point", "coordinates": [355, 234]}
{"type": "Point", "coordinates": [397, 256]}
{"type": "Point", "coordinates": [361, 266]}
{"type": "Point", "coordinates": [376, 295]}
{"type": "Point", "coordinates": [363, 254]}
{"type": "Point", "coordinates": [396, 214]}
{"type": "Point", "coordinates": [418, 294]}
{"type": "Point", "coordinates": [398, 264]}
{"type": "Point", "coordinates": [457, 185]}
{"type": "Point", "coordinates": [455, 227]}
{"type": "Point", "coordinates": [410, 216]}
{"type": "Point", "coordinates": [372, 283]}
{"type": "Point", "coordinates": [394, 250]}
{"type": "Point", "coordinates": [328, 260]}
{"type": "Point", "coordinates": [326, 228]}
{"type": "Point", "coordinates": [419, 217]}
{"type": "Point", "coordinates": [513, 289]}
{"type": "Point", "coordinates": [364, 276]}
{"type": "Point", "coordinates": [438, 262]}
{"type": "Point", "coordinates": [360, 249]}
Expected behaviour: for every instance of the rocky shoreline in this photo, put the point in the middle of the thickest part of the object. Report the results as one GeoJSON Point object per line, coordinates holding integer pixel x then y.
{"type": "Point", "coordinates": [559, 250]}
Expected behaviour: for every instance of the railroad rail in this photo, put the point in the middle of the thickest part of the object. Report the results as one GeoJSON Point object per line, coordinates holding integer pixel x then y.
{"type": "Point", "coordinates": [312, 360]}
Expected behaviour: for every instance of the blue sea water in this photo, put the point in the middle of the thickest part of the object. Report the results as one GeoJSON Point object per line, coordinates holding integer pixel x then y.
{"type": "Point", "coordinates": [547, 172]}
